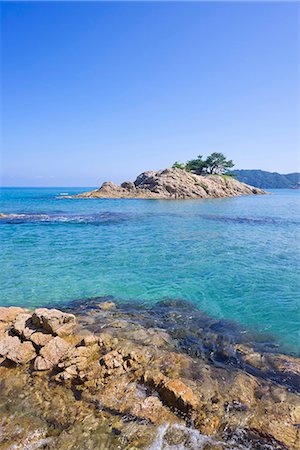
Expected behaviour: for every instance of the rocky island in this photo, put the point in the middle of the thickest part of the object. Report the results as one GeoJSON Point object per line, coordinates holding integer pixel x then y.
{"type": "Point", "coordinates": [173, 183]}
{"type": "Point", "coordinates": [101, 376]}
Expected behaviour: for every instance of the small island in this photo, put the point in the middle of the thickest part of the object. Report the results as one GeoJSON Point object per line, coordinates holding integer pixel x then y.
{"type": "Point", "coordinates": [197, 178]}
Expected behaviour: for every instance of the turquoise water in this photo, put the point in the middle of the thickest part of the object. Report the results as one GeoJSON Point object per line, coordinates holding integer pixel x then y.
{"type": "Point", "coordinates": [235, 258]}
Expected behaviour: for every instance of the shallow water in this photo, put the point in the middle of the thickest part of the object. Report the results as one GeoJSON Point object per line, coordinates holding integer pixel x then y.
{"type": "Point", "coordinates": [236, 259]}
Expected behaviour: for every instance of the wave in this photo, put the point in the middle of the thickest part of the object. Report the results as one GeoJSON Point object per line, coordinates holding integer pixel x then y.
{"type": "Point", "coordinates": [96, 219]}
{"type": "Point", "coordinates": [109, 216]}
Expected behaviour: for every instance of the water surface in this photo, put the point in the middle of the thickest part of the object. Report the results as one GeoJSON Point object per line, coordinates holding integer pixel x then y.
{"type": "Point", "coordinates": [236, 258]}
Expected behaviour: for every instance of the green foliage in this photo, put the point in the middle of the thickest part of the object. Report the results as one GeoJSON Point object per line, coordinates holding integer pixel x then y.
{"type": "Point", "coordinates": [216, 163]}
{"type": "Point", "coordinates": [178, 165]}
{"type": "Point", "coordinates": [197, 165]}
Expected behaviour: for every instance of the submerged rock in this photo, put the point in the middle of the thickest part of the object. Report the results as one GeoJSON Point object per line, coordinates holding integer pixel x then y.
{"type": "Point", "coordinates": [173, 184]}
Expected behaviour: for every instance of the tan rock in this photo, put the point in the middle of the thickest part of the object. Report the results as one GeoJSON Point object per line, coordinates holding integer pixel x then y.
{"type": "Point", "coordinates": [176, 394]}
{"type": "Point", "coordinates": [79, 357]}
{"type": "Point", "coordinates": [54, 321]}
{"type": "Point", "coordinates": [23, 325]}
{"type": "Point", "coordinates": [112, 360]}
{"type": "Point", "coordinates": [173, 392]}
{"type": "Point", "coordinates": [40, 339]}
{"type": "Point", "coordinates": [51, 354]}
{"type": "Point", "coordinates": [9, 314]}
{"type": "Point", "coordinates": [151, 408]}
{"type": "Point", "coordinates": [13, 349]}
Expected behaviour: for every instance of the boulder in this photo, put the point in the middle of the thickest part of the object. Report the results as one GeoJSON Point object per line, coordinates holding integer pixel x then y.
{"type": "Point", "coordinates": [51, 354]}
{"type": "Point", "coordinates": [23, 326]}
{"type": "Point", "coordinates": [16, 351]}
{"type": "Point", "coordinates": [40, 339]}
{"type": "Point", "coordinates": [173, 392]}
{"type": "Point", "coordinates": [54, 321]}
{"type": "Point", "coordinates": [9, 314]}
{"type": "Point", "coordinates": [128, 185]}
{"type": "Point", "coordinates": [176, 394]}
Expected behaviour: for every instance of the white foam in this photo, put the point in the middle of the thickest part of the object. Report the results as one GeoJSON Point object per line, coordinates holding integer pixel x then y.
{"type": "Point", "coordinates": [194, 439]}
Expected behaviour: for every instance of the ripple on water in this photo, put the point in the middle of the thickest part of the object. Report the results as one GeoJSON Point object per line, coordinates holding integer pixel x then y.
{"type": "Point", "coordinates": [236, 258]}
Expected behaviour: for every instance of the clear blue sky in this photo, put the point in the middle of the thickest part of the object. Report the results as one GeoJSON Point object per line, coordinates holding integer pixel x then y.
{"type": "Point", "coordinates": [99, 91]}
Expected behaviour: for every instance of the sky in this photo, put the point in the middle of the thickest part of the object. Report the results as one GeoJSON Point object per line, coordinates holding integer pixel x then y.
{"type": "Point", "coordinates": [103, 91]}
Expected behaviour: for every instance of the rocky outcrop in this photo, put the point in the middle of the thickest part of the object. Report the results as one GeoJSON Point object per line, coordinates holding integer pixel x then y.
{"type": "Point", "coordinates": [117, 387]}
{"type": "Point", "coordinates": [173, 184]}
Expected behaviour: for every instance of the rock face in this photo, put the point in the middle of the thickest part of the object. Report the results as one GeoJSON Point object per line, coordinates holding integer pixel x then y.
{"type": "Point", "coordinates": [120, 386]}
{"type": "Point", "coordinates": [173, 184]}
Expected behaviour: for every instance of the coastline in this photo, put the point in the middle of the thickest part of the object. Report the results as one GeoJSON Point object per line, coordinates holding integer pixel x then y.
{"type": "Point", "coordinates": [125, 375]}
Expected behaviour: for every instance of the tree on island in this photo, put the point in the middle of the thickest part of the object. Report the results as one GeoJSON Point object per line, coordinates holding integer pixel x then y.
{"type": "Point", "coordinates": [197, 165]}
{"type": "Point", "coordinates": [216, 163]}
{"type": "Point", "coordinates": [178, 165]}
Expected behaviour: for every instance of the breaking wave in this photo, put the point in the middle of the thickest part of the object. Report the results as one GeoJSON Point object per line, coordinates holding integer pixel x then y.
{"type": "Point", "coordinates": [96, 219]}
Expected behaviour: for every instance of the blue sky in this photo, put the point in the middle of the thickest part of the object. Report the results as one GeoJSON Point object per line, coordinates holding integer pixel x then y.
{"type": "Point", "coordinates": [100, 91]}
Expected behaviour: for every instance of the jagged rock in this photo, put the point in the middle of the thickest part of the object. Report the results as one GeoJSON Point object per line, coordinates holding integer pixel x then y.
{"type": "Point", "coordinates": [10, 313]}
{"type": "Point", "coordinates": [54, 321]}
{"type": "Point", "coordinates": [40, 339]}
{"type": "Point", "coordinates": [112, 360]}
{"type": "Point", "coordinates": [176, 394]}
{"type": "Point", "coordinates": [16, 351]}
{"type": "Point", "coordinates": [173, 392]}
{"type": "Point", "coordinates": [173, 184]}
{"type": "Point", "coordinates": [79, 357]}
{"type": "Point", "coordinates": [128, 185]}
{"type": "Point", "coordinates": [51, 354]}
{"type": "Point", "coordinates": [23, 326]}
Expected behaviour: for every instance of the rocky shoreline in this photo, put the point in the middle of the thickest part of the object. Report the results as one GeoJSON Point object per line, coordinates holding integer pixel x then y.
{"type": "Point", "coordinates": [172, 184]}
{"type": "Point", "coordinates": [101, 376]}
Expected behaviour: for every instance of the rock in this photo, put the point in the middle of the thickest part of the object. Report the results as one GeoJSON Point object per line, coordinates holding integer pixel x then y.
{"type": "Point", "coordinates": [16, 351]}
{"type": "Point", "coordinates": [128, 185]}
{"type": "Point", "coordinates": [9, 314]}
{"type": "Point", "coordinates": [173, 392]}
{"type": "Point", "coordinates": [112, 360]}
{"type": "Point", "coordinates": [23, 326]}
{"type": "Point", "coordinates": [173, 184]}
{"type": "Point", "coordinates": [40, 339]}
{"type": "Point", "coordinates": [54, 321]}
{"type": "Point", "coordinates": [152, 409]}
{"type": "Point", "coordinates": [80, 357]}
{"type": "Point", "coordinates": [107, 305]}
{"type": "Point", "coordinates": [176, 394]}
{"type": "Point", "coordinates": [51, 354]}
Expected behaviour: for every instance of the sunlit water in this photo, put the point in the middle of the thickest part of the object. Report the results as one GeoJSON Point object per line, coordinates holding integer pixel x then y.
{"type": "Point", "coordinates": [234, 258]}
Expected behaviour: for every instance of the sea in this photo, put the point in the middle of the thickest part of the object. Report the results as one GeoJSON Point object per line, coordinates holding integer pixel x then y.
{"type": "Point", "coordinates": [235, 259]}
